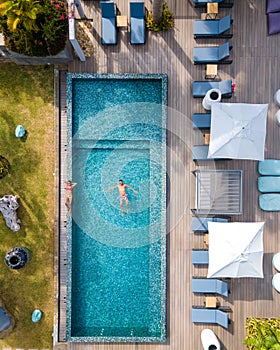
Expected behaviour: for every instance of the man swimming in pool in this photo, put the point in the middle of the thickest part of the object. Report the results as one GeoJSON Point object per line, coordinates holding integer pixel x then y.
{"type": "Point", "coordinates": [123, 195]}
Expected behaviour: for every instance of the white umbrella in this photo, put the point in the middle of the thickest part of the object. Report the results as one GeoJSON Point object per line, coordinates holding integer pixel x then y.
{"type": "Point", "coordinates": [235, 249]}
{"type": "Point", "coordinates": [238, 131]}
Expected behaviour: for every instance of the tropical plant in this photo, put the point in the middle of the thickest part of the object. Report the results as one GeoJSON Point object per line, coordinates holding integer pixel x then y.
{"type": "Point", "coordinates": [263, 334]}
{"type": "Point", "coordinates": [166, 21]}
{"type": "Point", "coordinates": [4, 167]}
{"type": "Point", "coordinates": [22, 12]}
{"type": "Point", "coordinates": [41, 26]}
{"type": "Point", "coordinates": [157, 9]}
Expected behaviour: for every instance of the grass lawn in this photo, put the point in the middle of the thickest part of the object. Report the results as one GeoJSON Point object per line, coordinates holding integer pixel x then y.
{"type": "Point", "coordinates": [26, 97]}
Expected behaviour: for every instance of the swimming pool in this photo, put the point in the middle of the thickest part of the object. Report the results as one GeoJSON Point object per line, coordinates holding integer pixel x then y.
{"type": "Point", "coordinates": [116, 278]}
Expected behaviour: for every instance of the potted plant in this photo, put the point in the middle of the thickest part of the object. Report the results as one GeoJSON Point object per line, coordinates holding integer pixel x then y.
{"type": "Point", "coordinates": [165, 22]}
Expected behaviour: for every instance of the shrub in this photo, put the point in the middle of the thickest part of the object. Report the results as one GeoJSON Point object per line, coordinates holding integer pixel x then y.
{"type": "Point", "coordinates": [4, 167]}
{"type": "Point", "coordinates": [37, 31]}
{"type": "Point", "coordinates": [166, 21]}
{"type": "Point", "coordinates": [262, 333]}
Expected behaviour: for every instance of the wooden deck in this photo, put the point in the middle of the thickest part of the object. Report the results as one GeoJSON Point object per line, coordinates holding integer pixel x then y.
{"type": "Point", "coordinates": [255, 72]}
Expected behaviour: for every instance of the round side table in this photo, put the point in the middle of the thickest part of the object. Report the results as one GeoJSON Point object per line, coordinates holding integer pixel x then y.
{"type": "Point", "coordinates": [277, 97]}
{"type": "Point", "coordinates": [276, 282]}
{"type": "Point", "coordinates": [276, 261]}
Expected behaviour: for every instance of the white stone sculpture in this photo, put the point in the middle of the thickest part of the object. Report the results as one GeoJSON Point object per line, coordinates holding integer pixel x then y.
{"type": "Point", "coordinates": [8, 207]}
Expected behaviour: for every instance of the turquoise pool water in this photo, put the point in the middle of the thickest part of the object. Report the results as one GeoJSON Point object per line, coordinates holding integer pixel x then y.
{"type": "Point", "coordinates": [116, 277]}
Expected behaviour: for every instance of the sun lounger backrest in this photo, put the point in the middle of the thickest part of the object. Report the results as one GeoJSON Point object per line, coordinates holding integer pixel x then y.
{"type": "Point", "coordinates": [222, 288]}
{"type": "Point", "coordinates": [224, 24]}
{"type": "Point", "coordinates": [225, 86]}
{"type": "Point", "coordinates": [108, 9]}
{"type": "Point", "coordinates": [109, 29]}
{"type": "Point", "coordinates": [224, 50]}
{"type": "Point", "coordinates": [221, 318]}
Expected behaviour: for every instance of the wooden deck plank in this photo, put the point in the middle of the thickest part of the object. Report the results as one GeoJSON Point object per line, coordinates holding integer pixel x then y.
{"type": "Point", "coordinates": [254, 70]}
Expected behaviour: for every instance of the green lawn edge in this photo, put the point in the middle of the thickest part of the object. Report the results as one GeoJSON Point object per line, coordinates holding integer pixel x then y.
{"type": "Point", "coordinates": [27, 98]}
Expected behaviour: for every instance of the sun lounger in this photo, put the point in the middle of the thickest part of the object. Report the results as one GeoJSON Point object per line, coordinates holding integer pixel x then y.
{"type": "Point", "coordinates": [200, 224]}
{"type": "Point", "coordinates": [222, 3]}
{"type": "Point", "coordinates": [200, 88]}
{"type": "Point", "coordinates": [269, 167]}
{"type": "Point", "coordinates": [200, 257]}
{"type": "Point", "coordinates": [272, 6]}
{"type": "Point", "coordinates": [269, 184]}
{"type": "Point", "coordinates": [109, 28]}
{"type": "Point", "coordinates": [269, 201]}
{"type": "Point", "coordinates": [212, 54]}
{"type": "Point", "coordinates": [137, 23]}
{"type": "Point", "coordinates": [211, 286]}
{"type": "Point", "coordinates": [213, 28]}
{"type": "Point", "coordinates": [202, 315]}
{"type": "Point", "coordinates": [273, 21]}
{"type": "Point", "coordinates": [200, 152]}
{"type": "Point", "coordinates": [201, 120]}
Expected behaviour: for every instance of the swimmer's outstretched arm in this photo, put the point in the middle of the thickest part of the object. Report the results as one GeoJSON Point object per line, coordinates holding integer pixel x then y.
{"type": "Point", "coordinates": [132, 189]}
{"type": "Point", "coordinates": [111, 188]}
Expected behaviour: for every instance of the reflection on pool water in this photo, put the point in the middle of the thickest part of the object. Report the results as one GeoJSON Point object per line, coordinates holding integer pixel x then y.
{"type": "Point", "coordinates": [116, 277]}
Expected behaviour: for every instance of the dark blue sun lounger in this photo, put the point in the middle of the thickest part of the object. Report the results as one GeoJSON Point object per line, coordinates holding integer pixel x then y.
{"type": "Point", "coordinates": [109, 27]}
{"type": "Point", "coordinates": [269, 167]}
{"type": "Point", "coordinates": [137, 23]}
{"type": "Point", "coordinates": [201, 120]}
{"type": "Point", "coordinates": [212, 28]}
{"type": "Point", "coordinates": [200, 257]}
{"type": "Point", "coordinates": [200, 88]}
{"type": "Point", "coordinates": [269, 184]}
{"type": "Point", "coordinates": [212, 54]}
{"type": "Point", "coordinates": [222, 3]}
{"type": "Point", "coordinates": [211, 286]}
{"type": "Point", "coordinates": [200, 224]}
{"type": "Point", "coordinates": [202, 315]}
{"type": "Point", "coordinates": [200, 152]}
{"type": "Point", "coordinates": [269, 201]}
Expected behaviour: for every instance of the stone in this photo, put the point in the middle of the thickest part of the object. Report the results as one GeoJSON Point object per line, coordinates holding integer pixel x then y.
{"type": "Point", "coordinates": [20, 131]}
{"type": "Point", "coordinates": [8, 207]}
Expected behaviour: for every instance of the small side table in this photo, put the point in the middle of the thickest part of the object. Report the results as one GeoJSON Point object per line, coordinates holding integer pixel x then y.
{"type": "Point", "coordinates": [212, 10]}
{"type": "Point", "coordinates": [211, 302]}
{"type": "Point", "coordinates": [211, 71]}
{"type": "Point", "coordinates": [207, 139]}
{"type": "Point", "coordinates": [206, 239]}
{"type": "Point", "coordinates": [121, 21]}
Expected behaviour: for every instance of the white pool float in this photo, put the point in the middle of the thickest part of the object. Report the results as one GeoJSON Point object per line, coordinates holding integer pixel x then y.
{"type": "Point", "coordinates": [209, 340]}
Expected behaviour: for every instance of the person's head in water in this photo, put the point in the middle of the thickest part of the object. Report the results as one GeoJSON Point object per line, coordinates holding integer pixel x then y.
{"type": "Point", "coordinates": [121, 182]}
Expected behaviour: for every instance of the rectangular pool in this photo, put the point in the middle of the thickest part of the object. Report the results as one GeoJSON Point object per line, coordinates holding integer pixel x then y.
{"type": "Point", "coordinates": [116, 277]}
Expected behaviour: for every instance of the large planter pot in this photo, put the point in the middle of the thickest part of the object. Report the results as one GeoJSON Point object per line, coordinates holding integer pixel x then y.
{"type": "Point", "coordinates": [212, 96]}
{"type": "Point", "coordinates": [63, 57]}
{"type": "Point", "coordinates": [17, 258]}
